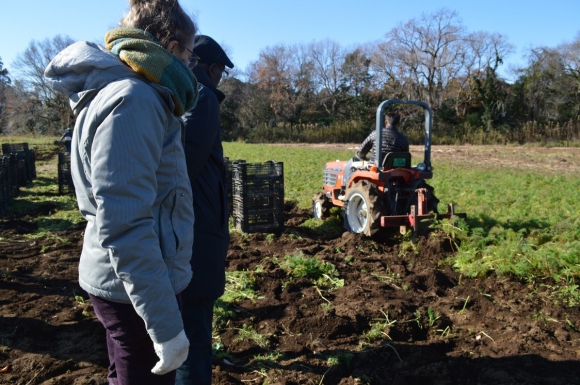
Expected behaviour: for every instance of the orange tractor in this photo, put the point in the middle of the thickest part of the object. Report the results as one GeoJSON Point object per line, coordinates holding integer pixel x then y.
{"type": "Point", "coordinates": [383, 192]}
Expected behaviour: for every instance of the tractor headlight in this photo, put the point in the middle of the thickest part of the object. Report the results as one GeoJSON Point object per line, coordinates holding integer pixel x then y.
{"type": "Point", "coordinates": [421, 166]}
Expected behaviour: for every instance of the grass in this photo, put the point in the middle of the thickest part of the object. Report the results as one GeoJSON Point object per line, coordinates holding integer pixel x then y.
{"type": "Point", "coordinates": [39, 199]}
{"type": "Point", "coordinates": [247, 332]}
{"type": "Point", "coordinates": [522, 223]}
{"type": "Point", "coordinates": [302, 166]}
{"type": "Point", "coordinates": [377, 328]}
{"type": "Point", "coordinates": [322, 274]}
{"type": "Point", "coordinates": [239, 287]}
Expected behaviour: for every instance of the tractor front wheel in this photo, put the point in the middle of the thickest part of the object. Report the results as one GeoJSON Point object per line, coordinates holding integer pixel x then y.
{"type": "Point", "coordinates": [320, 206]}
{"type": "Point", "coordinates": [363, 208]}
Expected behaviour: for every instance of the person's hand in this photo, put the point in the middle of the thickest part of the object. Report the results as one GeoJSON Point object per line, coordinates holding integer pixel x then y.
{"type": "Point", "coordinates": [171, 353]}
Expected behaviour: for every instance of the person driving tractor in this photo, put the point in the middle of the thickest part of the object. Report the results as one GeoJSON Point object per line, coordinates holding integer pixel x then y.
{"type": "Point", "coordinates": [393, 139]}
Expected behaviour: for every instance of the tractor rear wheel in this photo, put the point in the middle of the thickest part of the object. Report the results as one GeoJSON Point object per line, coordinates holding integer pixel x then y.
{"type": "Point", "coordinates": [363, 208]}
{"type": "Point", "coordinates": [320, 206]}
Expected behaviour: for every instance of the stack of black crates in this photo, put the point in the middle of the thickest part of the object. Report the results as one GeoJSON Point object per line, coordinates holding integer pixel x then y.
{"type": "Point", "coordinates": [65, 182]}
{"type": "Point", "coordinates": [229, 186]}
{"type": "Point", "coordinates": [26, 161]}
{"type": "Point", "coordinates": [9, 188]}
{"type": "Point", "coordinates": [257, 196]}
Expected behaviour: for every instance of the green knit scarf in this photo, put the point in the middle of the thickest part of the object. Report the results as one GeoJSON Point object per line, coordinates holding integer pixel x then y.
{"type": "Point", "coordinates": [143, 53]}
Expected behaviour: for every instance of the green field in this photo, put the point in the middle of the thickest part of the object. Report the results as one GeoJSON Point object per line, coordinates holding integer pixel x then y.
{"type": "Point", "coordinates": [523, 223]}
{"type": "Point", "coordinates": [520, 222]}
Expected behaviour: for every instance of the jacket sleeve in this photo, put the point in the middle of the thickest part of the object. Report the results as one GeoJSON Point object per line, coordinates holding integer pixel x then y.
{"type": "Point", "coordinates": [367, 145]}
{"type": "Point", "coordinates": [125, 155]}
{"type": "Point", "coordinates": [403, 142]}
{"type": "Point", "coordinates": [202, 128]}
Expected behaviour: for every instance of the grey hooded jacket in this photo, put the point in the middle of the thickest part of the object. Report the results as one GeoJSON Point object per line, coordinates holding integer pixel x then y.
{"type": "Point", "coordinates": [130, 177]}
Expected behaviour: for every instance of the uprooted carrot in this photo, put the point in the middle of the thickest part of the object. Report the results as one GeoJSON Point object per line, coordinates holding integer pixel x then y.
{"type": "Point", "coordinates": [5, 369]}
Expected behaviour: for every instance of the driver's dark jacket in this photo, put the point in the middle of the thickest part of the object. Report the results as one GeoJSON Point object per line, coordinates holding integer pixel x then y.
{"type": "Point", "coordinates": [393, 141]}
{"type": "Point", "coordinates": [207, 173]}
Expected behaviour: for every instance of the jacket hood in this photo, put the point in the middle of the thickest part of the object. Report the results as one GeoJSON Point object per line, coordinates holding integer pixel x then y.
{"type": "Point", "coordinates": [204, 80]}
{"type": "Point", "coordinates": [82, 69]}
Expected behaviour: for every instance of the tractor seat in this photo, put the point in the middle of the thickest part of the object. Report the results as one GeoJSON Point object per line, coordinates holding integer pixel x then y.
{"type": "Point", "coordinates": [397, 159]}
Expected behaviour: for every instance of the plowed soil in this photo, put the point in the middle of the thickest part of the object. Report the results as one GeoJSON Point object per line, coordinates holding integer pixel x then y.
{"type": "Point", "coordinates": [402, 317]}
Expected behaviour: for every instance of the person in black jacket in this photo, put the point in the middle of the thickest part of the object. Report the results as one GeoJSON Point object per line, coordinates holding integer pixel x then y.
{"type": "Point", "coordinates": [393, 139]}
{"type": "Point", "coordinates": [206, 169]}
{"type": "Point", "coordinates": [67, 137]}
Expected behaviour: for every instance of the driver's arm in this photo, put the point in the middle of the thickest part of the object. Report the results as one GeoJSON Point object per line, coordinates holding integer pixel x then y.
{"type": "Point", "coordinates": [366, 145]}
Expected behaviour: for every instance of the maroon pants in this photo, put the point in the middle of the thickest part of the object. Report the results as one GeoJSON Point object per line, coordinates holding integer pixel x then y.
{"type": "Point", "coordinates": [131, 353]}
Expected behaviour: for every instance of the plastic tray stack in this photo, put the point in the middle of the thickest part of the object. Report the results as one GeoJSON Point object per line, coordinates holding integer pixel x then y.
{"type": "Point", "coordinates": [229, 186]}
{"type": "Point", "coordinates": [258, 196]}
{"type": "Point", "coordinates": [65, 182]}
{"type": "Point", "coordinates": [4, 184]}
{"type": "Point", "coordinates": [11, 160]}
{"type": "Point", "coordinates": [8, 180]}
{"type": "Point", "coordinates": [26, 161]}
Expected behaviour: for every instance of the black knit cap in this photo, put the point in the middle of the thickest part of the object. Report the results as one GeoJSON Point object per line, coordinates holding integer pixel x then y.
{"type": "Point", "coordinates": [209, 51]}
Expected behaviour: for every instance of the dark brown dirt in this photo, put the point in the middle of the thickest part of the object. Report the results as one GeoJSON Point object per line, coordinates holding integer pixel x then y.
{"type": "Point", "coordinates": [495, 330]}
{"type": "Point", "coordinates": [489, 331]}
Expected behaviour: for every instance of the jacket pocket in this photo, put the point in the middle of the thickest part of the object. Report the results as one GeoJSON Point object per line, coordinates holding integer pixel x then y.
{"type": "Point", "coordinates": [168, 240]}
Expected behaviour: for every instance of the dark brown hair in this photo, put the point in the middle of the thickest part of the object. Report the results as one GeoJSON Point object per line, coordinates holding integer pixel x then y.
{"type": "Point", "coordinates": [392, 118]}
{"type": "Point", "coordinates": [164, 19]}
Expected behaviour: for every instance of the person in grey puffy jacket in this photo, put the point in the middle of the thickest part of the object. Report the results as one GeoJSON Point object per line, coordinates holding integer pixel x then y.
{"type": "Point", "coordinates": [130, 176]}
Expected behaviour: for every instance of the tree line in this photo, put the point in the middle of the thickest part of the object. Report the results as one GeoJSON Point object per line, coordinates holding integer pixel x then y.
{"type": "Point", "coordinates": [324, 92]}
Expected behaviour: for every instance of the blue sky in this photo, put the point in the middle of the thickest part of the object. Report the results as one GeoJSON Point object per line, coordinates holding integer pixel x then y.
{"type": "Point", "coordinates": [248, 26]}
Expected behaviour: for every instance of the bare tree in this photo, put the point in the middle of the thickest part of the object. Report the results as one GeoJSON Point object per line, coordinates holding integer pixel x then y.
{"type": "Point", "coordinates": [389, 75]}
{"type": "Point", "coordinates": [29, 66]}
{"type": "Point", "coordinates": [484, 53]}
{"type": "Point", "coordinates": [571, 62]}
{"type": "Point", "coordinates": [4, 86]}
{"type": "Point", "coordinates": [548, 91]}
{"type": "Point", "coordinates": [571, 58]}
{"type": "Point", "coordinates": [427, 54]}
{"type": "Point", "coordinates": [327, 57]}
{"type": "Point", "coordinates": [283, 73]}
{"type": "Point", "coordinates": [55, 114]}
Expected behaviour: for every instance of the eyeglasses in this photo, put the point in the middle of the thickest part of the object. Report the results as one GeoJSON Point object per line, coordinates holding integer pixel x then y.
{"type": "Point", "coordinates": [193, 58]}
{"type": "Point", "coordinates": [224, 72]}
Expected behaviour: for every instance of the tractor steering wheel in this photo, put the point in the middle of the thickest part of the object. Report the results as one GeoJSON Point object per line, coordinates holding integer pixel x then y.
{"type": "Point", "coordinates": [358, 157]}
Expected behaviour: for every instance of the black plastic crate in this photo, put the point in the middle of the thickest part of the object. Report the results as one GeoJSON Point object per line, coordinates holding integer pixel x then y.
{"type": "Point", "coordinates": [65, 182]}
{"type": "Point", "coordinates": [260, 222]}
{"type": "Point", "coordinates": [27, 171]}
{"type": "Point", "coordinates": [9, 148]}
{"type": "Point", "coordinates": [26, 161]}
{"type": "Point", "coordinates": [258, 196]}
{"type": "Point", "coordinates": [4, 189]}
{"type": "Point", "coordinates": [229, 189]}
{"type": "Point", "coordinates": [13, 175]}
{"type": "Point", "coordinates": [9, 162]}
{"type": "Point", "coordinates": [22, 171]}
{"type": "Point", "coordinates": [254, 171]}
{"type": "Point", "coordinates": [31, 164]}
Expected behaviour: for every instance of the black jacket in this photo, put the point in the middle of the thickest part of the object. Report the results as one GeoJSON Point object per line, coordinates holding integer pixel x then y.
{"type": "Point", "coordinates": [205, 166]}
{"type": "Point", "coordinates": [393, 141]}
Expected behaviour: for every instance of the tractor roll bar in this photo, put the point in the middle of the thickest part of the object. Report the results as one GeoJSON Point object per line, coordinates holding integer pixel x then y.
{"type": "Point", "coordinates": [381, 124]}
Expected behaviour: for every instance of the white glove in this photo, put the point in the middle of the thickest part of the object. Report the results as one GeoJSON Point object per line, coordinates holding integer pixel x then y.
{"type": "Point", "coordinates": [171, 354]}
